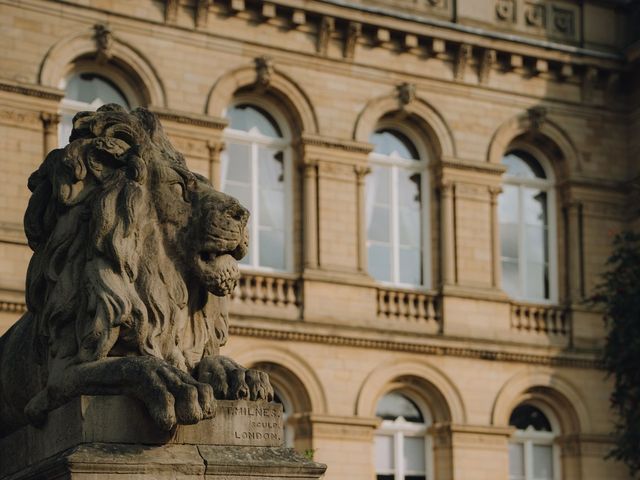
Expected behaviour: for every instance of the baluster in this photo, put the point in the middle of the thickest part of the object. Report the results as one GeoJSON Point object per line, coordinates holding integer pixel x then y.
{"type": "Point", "coordinates": [431, 308]}
{"type": "Point", "coordinates": [422, 308]}
{"type": "Point", "coordinates": [280, 298]}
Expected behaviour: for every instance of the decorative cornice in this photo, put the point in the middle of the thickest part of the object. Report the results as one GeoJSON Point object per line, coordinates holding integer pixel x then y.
{"type": "Point", "coordinates": [308, 139]}
{"type": "Point", "coordinates": [398, 346]}
{"type": "Point", "coordinates": [472, 165]}
{"type": "Point", "coordinates": [193, 119]}
{"type": "Point", "coordinates": [31, 90]}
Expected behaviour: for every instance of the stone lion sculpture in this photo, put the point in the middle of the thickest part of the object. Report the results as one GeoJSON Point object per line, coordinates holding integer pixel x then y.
{"type": "Point", "coordinates": [134, 256]}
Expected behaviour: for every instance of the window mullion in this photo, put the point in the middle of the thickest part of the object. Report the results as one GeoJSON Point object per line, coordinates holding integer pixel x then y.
{"type": "Point", "coordinates": [528, 460]}
{"type": "Point", "coordinates": [398, 446]}
{"type": "Point", "coordinates": [395, 240]}
{"type": "Point", "coordinates": [254, 205]}
{"type": "Point", "coordinates": [521, 243]}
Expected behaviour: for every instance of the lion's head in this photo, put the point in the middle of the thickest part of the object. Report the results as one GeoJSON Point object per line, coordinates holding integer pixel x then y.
{"type": "Point", "coordinates": [133, 253]}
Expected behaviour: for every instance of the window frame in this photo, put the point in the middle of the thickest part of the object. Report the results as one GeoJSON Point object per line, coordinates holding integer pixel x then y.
{"type": "Point", "coordinates": [528, 438]}
{"type": "Point", "coordinates": [285, 145]}
{"type": "Point", "coordinates": [399, 429]}
{"type": "Point", "coordinates": [421, 166]}
{"type": "Point", "coordinates": [547, 185]}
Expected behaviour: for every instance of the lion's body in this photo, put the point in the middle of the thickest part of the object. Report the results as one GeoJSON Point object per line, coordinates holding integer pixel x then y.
{"type": "Point", "coordinates": [132, 259]}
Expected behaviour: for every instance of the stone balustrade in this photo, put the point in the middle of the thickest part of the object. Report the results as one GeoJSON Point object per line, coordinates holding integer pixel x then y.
{"type": "Point", "coordinates": [264, 294]}
{"type": "Point", "coordinates": [407, 305]}
{"type": "Point", "coordinates": [546, 319]}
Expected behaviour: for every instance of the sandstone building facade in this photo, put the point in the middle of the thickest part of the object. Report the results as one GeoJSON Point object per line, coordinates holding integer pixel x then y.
{"type": "Point", "coordinates": [434, 186]}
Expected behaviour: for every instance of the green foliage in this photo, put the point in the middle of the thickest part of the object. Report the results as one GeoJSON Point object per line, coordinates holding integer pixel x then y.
{"type": "Point", "coordinates": [619, 294]}
{"type": "Point", "coordinates": [309, 453]}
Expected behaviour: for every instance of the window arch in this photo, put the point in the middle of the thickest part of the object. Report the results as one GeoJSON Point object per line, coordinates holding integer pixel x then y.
{"type": "Point", "coordinates": [257, 170]}
{"type": "Point", "coordinates": [397, 210]}
{"type": "Point", "coordinates": [526, 211]}
{"type": "Point", "coordinates": [87, 88]}
{"type": "Point", "coordinates": [533, 453]}
{"type": "Point", "coordinates": [402, 447]}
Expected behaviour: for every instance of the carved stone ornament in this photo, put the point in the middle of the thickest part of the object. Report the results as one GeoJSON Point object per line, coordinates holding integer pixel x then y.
{"type": "Point", "coordinates": [325, 30]}
{"type": "Point", "coordinates": [406, 93]}
{"type": "Point", "coordinates": [354, 30]}
{"type": "Point", "coordinates": [134, 257]}
{"type": "Point", "coordinates": [506, 10]}
{"type": "Point", "coordinates": [104, 41]}
{"type": "Point", "coordinates": [264, 70]}
{"type": "Point", "coordinates": [462, 59]}
{"type": "Point", "coordinates": [563, 21]}
{"type": "Point", "coordinates": [536, 117]}
{"type": "Point", "coordinates": [535, 15]}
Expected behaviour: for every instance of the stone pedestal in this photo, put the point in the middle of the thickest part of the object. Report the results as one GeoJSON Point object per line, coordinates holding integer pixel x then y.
{"type": "Point", "coordinates": [112, 437]}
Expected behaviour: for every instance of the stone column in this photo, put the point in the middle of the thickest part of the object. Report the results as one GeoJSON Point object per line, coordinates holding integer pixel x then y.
{"type": "Point", "coordinates": [448, 234]}
{"type": "Point", "coordinates": [496, 267]}
{"type": "Point", "coordinates": [50, 122]}
{"type": "Point", "coordinates": [310, 174]}
{"type": "Point", "coordinates": [574, 251]}
{"type": "Point", "coordinates": [215, 150]}
{"type": "Point", "coordinates": [361, 173]}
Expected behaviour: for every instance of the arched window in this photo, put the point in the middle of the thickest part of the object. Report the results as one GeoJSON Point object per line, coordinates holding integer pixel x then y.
{"type": "Point", "coordinates": [287, 410]}
{"type": "Point", "coordinates": [402, 447]}
{"type": "Point", "coordinates": [532, 453]}
{"type": "Point", "coordinates": [86, 91]}
{"type": "Point", "coordinates": [397, 211]}
{"type": "Point", "coordinates": [527, 229]}
{"type": "Point", "coordinates": [256, 169]}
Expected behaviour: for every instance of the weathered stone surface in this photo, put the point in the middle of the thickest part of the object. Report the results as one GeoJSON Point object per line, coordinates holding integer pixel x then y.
{"type": "Point", "coordinates": [134, 256]}
{"type": "Point", "coordinates": [113, 437]}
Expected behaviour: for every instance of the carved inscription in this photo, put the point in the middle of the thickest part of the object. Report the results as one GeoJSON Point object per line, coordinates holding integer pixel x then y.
{"type": "Point", "coordinates": [250, 424]}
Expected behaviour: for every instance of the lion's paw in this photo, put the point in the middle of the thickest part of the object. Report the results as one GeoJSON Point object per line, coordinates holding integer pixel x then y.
{"type": "Point", "coordinates": [231, 381]}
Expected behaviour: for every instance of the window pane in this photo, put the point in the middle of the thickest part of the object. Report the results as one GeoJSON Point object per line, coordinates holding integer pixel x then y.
{"type": "Point", "coordinates": [521, 164]}
{"type": "Point", "coordinates": [270, 168]}
{"type": "Point", "coordinates": [64, 132]}
{"type": "Point", "coordinates": [415, 477]}
{"type": "Point", "coordinates": [409, 225]}
{"type": "Point", "coordinates": [535, 207]}
{"type": "Point", "coordinates": [410, 266]}
{"type": "Point", "coordinates": [542, 462]}
{"type": "Point", "coordinates": [525, 416]}
{"type": "Point", "coordinates": [271, 209]}
{"type": "Point", "coordinates": [509, 240]}
{"type": "Point", "coordinates": [385, 477]}
{"type": "Point", "coordinates": [535, 244]}
{"type": "Point", "coordinates": [393, 144]}
{"type": "Point", "coordinates": [536, 281]}
{"type": "Point", "coordinates": [409, 190]}
{"type": "Point", "coordinates": [508, 204]}
{"type": "Point", "coordinates": [516, 461]}
{"type": "Point", "coordinates": [394, 405]}
{"type": "Point", "coordinates": [236, 164]}
{"type": "Point", "coordinates": [510, 278]}
{"type": "Point", "coordinates": [241, 192]}
{"type": "Point", "coordinates": [271, 247]}
{"type": "Point", "coordinates": [378, 181]}
{"type": "Point", "coordinates": [385, 461]}
{"type": "Point", "coordinates": [414, 454]}
{"type": "Point", "coordinates": [252, 119]}
{"type": "Point", "coordinates": [379, 262]}
{"type": "Point", "coordinates": [94, 89]}
{"type": "Point", "coordinates": [379, 229]}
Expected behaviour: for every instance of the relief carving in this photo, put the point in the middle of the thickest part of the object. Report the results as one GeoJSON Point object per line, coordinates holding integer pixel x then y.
{"type": "Point", "coordinates": [325, 30]}
{"type": "Point", "coordinates": [563, 21]}
{"type": "Point", "coordinates": [535, 15]}
{"type": "Point", "coordinates": [104, 42]}
{"type": "Point", "coordinates": [506, 10]}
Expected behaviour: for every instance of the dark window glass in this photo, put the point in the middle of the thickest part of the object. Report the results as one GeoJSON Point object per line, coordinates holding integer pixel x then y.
{"type": "Point", "coordinates": [394, 405]}
{"type": "Point", "coordinates": [521, 164]}
{"type": "Point", "coordinates": [90, 88]}
{"type": "Point", "coordinates": [393, 144]}
{"type": "Point", "coordinates": [251, 118]}
{"type": "Point", "coordinates": [525, 416]}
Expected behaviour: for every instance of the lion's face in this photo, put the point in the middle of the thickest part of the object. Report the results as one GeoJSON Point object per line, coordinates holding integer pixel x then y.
{"type": "Point", "coordinates": [204, 227]}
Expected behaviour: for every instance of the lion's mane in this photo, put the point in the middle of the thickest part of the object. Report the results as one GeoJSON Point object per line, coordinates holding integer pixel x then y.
{"type": "Point", "coordinates": [100, 262]}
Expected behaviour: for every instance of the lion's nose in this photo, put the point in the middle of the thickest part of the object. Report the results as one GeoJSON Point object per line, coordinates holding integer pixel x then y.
{"type": "Point", "coordinates": [238, 212]}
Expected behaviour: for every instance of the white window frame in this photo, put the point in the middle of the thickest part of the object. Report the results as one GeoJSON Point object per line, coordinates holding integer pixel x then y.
{"type": "Point", "coordinates": [399, 429]}
{"type": "Point", "coordinates": [421, 166]}
{"type": "Point", "coordinates": [548, 186]}
{"type": "Point", "coordinates": [254, 141]}
{"type": "Point", "coordinates": [71, 107]}
{"type": "Point", "coordinates": [530, 437]}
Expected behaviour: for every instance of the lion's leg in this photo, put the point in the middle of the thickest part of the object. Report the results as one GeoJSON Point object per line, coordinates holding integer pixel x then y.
{"type": "Point", "coordinates": [170, 395]}
{"type": "Point", "coordinates": [232, 381]}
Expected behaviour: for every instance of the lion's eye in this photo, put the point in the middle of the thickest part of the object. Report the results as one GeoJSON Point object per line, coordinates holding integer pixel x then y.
{"type": "Point", "coordinates": [179, 189]}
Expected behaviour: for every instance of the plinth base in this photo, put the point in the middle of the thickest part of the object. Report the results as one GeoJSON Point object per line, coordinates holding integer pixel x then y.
{"type": "Point", "coordinates": [102, 438]}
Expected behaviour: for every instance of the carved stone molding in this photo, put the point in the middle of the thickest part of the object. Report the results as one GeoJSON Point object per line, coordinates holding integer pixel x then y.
{"type": "Point", "coordinates": [415, 347]}
{"type": "Point", "coordinates": [335, 143]}
{"type": "Point", "coordinates": [197, 120]}
{"type": "Point", "coordinates": [202, 12]}
{"type": "Point", "coordinates": [31, 90]}
{"type": "Point", "coordinates": [506, 10]}
{"type": "Point", "coordinates": [535, 15]}
{"type": "Point", "coordinates": [171, 11]}
{"type": "Point", "coordinates": [536, 116]}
